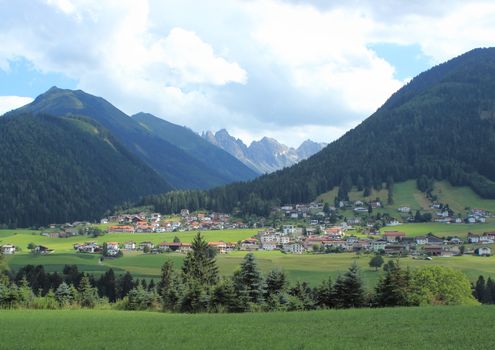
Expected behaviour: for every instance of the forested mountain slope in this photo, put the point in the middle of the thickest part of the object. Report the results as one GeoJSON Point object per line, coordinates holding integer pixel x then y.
{"type": "Point", "coordinates": [177, 167]}
{"type": "Point", "coordinates": [440, 125]}
{"type": "Point", "coordinates": [60, 169]}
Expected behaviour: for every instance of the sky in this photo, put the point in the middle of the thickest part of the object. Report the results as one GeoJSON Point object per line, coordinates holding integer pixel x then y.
{"type": "Point", "coordinates": [292, 70]}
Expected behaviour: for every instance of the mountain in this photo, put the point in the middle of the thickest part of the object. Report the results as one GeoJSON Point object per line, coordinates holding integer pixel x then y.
{"type": "Point", "coordinates": [212, 157]}
{"type": "Point", "coordinates": [266, 155]}
{"type": "Point", "coordinates": [60, 169]}
{"type": "Point", "coordinates": [441, 126]}
{"type": "Point", "coordinates": [177, 167]}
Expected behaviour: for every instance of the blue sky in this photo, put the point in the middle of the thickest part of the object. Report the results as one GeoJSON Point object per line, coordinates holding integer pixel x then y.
{"type": "Point", "coordinates": [288, 69]}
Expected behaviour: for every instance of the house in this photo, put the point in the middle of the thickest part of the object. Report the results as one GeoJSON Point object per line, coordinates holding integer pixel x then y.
{"type": "Point", "coordinates": [185, 248]}
{"type": "Point", "coordinates": [433, 250]}
{"type": "Point", "coordinates": [404, 209]}
{"type": "Point", "coordinates": [220, 246]}
{"type": "Point", "coordinates": [294, 248]}
{"type": "Point", "coordinates": [455, 240]}
{"type": "Point", "coordinates": [88, 247]}
{"type": "Point", "coordinates": [421, 240]}
{"type": "Point", "coordinates": [395, 249]}
{"type": "Point", "coordinates": [122, 228]}
{"type": "Point", "coordinates": [39, 249]}
{"type": "Point", "coordinates": [130, 245]}
{"type": "Point", "coordinates": [433, 240]}
{"type": "Point", "coordinates": [394, 236]}
{"type": "Point", "coordinates": [145, 245]}
{"type": "Point", "coordinates": [393, 222]}
{"type": "Point", "coordinates": [250, 244]}
{"type": "Point", "coordinates": [169, 246]}
{"type": "Point", "coordinates": [472, 238]}
{"type": "Point", "coordinates": [269, 245]}
{"type": "Point", "coordinates": [483, 251]}
{"type": "Point", "coordinates": [113, 246]}
{"type": "Point", "coordinates": [8, 249]}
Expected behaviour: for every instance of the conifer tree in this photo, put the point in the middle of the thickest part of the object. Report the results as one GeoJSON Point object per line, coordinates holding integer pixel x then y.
{"type": "Point", "coordinates": [199, 265]}
{"type": "Point", "coordinates": [248, 281]}
{"type": "Point", "coordinates": [348, 289]}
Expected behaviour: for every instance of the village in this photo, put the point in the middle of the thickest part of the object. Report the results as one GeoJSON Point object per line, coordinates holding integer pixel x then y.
{"type": "Point", "coordinates": [303, 228]}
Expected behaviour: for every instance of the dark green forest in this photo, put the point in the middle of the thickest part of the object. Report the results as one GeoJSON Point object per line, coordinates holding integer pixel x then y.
{"type": "Point", "coordinates": [439, 126]}
{"type": "Point", "coordinates": [55, 170]}
{"type": "Point", "coordinates": [180, 167]}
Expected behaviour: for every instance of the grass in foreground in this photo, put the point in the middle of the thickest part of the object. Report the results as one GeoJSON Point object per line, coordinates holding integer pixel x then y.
{"type": "Point", "coordinates": [400, 328]}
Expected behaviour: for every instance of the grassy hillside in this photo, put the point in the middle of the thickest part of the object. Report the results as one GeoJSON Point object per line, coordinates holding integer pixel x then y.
{"type": "Point", "coordinates": [407, 194]}
{"type": "Point", "coordinates": [460, 198]}
{"type": "Point", "coordinates": [398, 328]}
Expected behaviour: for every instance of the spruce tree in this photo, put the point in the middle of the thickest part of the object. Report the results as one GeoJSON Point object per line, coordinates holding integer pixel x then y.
{"type": "Point", "coordinates": [88, 295]}
{"type": "Point", "coordinates": [348, 289]}
{"type": "Point", "coordinates": [248, 281]}
{"type": "Point", "coordinates": [480, 290]}
{"type": "Point", "coordinates": [395, 289]}
{"type": "Point", "coordinates": [490, 291]}
{"type": "Point", "coordinates": [199, 265]}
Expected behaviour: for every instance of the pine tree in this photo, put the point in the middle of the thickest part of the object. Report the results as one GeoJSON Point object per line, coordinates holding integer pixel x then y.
{"type": "Point", "coordinates": [88, 295]}
{"type": "Point", "coordinates": [395, 289]}
{"type": "Point", "coordinates": [490, 291]}
{"type": "Point", "coordinates": [348, 289]}
{"type": "Point", "coordinates": [248, 281]}
{"type": "Point", "coordinates": [65, 294]}
{"type": "Point", "coordinates": [324, 294]}
{"type": "Point", "coordinates": [480, 292]}
{"type": "Point", "coordinates": [199, 265]}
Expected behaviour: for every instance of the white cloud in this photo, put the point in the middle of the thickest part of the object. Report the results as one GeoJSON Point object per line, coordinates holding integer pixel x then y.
{"type": "Point", "coordinates": [287, 69]}
{"type": "Point", "coordinates": [8, 103]}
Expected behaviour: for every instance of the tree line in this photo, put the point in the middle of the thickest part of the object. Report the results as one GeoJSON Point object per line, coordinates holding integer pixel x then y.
{"type": "Point", "coordinates": [198, 287]}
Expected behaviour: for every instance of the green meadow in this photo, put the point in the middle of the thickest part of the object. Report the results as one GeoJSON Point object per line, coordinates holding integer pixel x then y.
{"type": "Point", "coordinates": [407, 194]}
{"type": "Point", "coordinates": [441, 229]}
{"type": "Point", "coordinates": [306, 267]}
{"type": "Point", "coordinates": [459, 327]}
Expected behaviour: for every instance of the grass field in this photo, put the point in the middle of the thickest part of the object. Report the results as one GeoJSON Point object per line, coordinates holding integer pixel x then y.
{"type": "Point", "coordinates": [440, 229]}
{"type": "Point", "coordinates": [407, 194]}
{"type": "Point", "coordinates": [400, 328]}
{"type": "Point", "coordinates": [22, 238]}
{"type": "Point", "coordinates": [307, 267]}
{"type": "Point", "coordinates": [459, 198]}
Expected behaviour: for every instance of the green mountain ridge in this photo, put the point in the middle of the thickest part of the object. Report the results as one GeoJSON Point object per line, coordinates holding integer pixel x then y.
{"type": "Point", "coordinates": [441, 126]}
{"type": "Point", "coordinates": [212, 156]}
{"type": "Point", "coordinates": [61, 169]}
{"type": "Point", "coordinates": [176, 166]}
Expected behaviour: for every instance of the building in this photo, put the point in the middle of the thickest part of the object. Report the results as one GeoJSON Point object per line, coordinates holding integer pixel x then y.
{"type": "Point", "coordinates": [393, 236]}
{"type": "Point", "coordinates": [293, 248]}
{"type": "Point", "coordinates": [8, 249]}
{"type": "Point", "coordinates": [483, 251]}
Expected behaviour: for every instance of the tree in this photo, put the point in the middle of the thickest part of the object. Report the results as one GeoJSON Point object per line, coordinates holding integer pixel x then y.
{"type": "Point", "coordinates": [324, 294]}
{"type": "Point", "coordinates": [65, 294]}
{"type": "Point", "coordinates": [88, 295]}
{"type": "Point", "coordinates": [248, 281]}
{"type": "Point", "coordinates": [199, 265]}
{"type": "Point", "coordinates": [224, 297]}
{"type": "Point", "coordinates": [376, 262]}
{"type": "Point", "coordinates": [348, 289]}
{"type": "Point", "coordinates": [441, 285]}
{"type": "Point", "coordinates": [395, 289]}
{"type": "Point", "coordinates": [176, 239]}
{"type": "Point", "coordinates": [490, 291]}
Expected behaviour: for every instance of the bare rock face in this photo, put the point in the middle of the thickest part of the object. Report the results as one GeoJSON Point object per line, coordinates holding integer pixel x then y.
{"type": "Point", "coordinates": [266, 155]}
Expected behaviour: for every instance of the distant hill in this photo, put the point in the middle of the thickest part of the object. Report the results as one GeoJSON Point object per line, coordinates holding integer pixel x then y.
{"type": "Point", "coordinates": [61, 169]}
{"type": "Point", "coordinates": [213, 158]}
{"type": "Point", "coordinates": [440, 126]}
{"type": "Point", "coordinates": [266, 155]}
{"type": "Point", "coordinates": [179, 168]}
